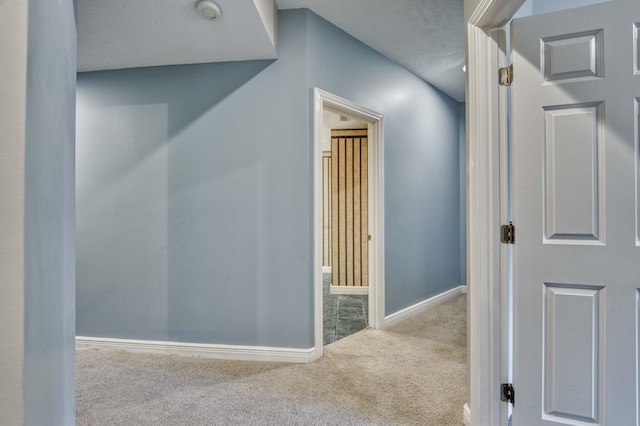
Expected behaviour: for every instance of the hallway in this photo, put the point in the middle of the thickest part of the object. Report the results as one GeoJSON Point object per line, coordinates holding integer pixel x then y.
{"type": "Point", "coordinates": [413, 373]}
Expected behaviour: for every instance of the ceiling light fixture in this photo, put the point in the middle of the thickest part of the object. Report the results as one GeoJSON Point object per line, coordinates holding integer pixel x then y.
{"type": "Point", "coordinates": [208, 10]}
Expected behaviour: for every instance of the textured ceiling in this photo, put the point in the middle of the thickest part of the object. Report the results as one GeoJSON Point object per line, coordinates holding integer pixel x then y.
{"type": "Point", "coordinates": [424, 36]}
{"type": "Point", "coordinates": [137, 33]}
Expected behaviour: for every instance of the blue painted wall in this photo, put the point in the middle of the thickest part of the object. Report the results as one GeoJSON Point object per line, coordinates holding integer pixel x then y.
{"type": "Point", "coordinates": [537, 7]}
{"type": "Point", "coordinates": [49, 343]}
{"type": "Point", "coordinates": [193, 201]}
{"type": "Point", "coordinates": [463, 193]}
{"type": "Point", "coordinates": [547, 6]}
{"type": "Point", "coordinates": [422, 178]}
{"type": "Point", "coordinates": [194, 190]}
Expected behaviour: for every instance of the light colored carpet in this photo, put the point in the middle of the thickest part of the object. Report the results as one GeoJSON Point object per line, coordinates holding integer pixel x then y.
{"type": "Point", "coordinates": [411, 374]}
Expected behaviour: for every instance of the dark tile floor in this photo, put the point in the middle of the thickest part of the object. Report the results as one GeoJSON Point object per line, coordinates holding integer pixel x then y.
{"type": "Point", "coordinates": [343, 314]}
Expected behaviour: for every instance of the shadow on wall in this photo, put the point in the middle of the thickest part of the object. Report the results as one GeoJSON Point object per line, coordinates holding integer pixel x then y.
{"type": "Point", "coordinates": [141, 154]}
{"type": "Point", "coordinates": [185, 99]}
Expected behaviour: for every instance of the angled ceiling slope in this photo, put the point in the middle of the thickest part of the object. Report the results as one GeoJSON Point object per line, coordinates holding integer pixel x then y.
{"type": "Point", "coordinates": [116, 34]}
{"type": "Point", "coordinates": [424, 36]}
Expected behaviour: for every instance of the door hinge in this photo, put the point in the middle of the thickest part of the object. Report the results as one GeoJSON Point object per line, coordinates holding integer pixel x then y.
{"type": "Point", "coordinates": [508, 233]}
{"type": "Point", "coordinates": [507, 393]}
{"type": "Point", "coordinates": [506, 76]}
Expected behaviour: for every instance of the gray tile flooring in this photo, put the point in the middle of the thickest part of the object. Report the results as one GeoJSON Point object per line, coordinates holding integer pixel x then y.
{"type": "Point", "coordinates": [343, 314]}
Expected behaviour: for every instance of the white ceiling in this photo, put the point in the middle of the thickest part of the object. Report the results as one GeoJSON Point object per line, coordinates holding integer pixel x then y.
{"type": "Point", "coordinates": [424, 36]}
{"type": "Point", "coordinates": [139, 33]}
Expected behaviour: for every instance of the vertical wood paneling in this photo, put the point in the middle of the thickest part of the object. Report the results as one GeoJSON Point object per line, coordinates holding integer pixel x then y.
{"type": "Point", "coordinates": [335, 258]}
{"type": "Point", "coordinates": [347, 172]}
{"type": "Point", "coordinates": [342, 208]}
{"type": "Point", "coordinates": [357, 212]}
{"type": "Point", "coordinates": [364, 191]}
{"type": "Point", "coordinates": [330, 201]}
{"type": "Point", "coordinates": [326, 208]}
{"type": "Point", "coordinates": [349, 208]}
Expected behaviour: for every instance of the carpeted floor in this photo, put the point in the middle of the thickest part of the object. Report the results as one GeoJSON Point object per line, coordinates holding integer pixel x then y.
{"type": "Point", "coordinates": [414, 373]}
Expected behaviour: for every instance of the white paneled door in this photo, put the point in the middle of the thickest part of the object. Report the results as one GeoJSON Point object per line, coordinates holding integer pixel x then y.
{"type": "Point", "coordinates": [576, 103]}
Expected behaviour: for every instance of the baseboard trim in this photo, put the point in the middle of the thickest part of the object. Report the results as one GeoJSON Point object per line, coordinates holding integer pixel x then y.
{"type": "Point", "coordinates": [419, 307]}
{"type": "Point", "coordinates": [334, 289]}
{"type": "Point", "coordinates": [466, 415]}
{"type": "Point", "coordinates": [231, 352]}
{"type": "Point", "coordinates": [326, 269]}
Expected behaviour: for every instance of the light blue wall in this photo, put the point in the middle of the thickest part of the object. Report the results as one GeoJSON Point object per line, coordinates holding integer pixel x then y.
{"type": "Point", "coordinates": [525, 10]}
{"type": "Point", "coordinates": [463, 193]}
{"type": "Point", "coordinates": [546, 6]}
{"type": "Point", "coordinates": [193, 201]}
{"type": "Point", "coordinates": [537, 7]}
{"type": "Point", "coordinates": [49, 357]}
{"type": "Point", "coordinates": [195, 190]}
{"type": "Point", "coordinates": [422, 175]}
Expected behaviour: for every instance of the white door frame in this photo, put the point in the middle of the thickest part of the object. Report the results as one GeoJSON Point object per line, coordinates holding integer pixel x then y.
{"type": "Point", "coordinates": [375, 121]}
{"type": "Point", "coordinates": [486, 208]}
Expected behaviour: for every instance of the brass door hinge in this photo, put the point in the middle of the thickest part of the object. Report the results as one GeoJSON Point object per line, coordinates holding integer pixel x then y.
{"type": "Point", "coordinates": [506, 76]}
{"type": "Point", "coordinates": [508, 233]}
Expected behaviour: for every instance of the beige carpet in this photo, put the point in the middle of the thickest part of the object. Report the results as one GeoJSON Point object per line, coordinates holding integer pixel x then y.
{"type": "Point", "coordinates": [411, 374]}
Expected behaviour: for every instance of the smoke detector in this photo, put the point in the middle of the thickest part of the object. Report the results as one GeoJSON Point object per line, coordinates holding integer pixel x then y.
{"type": "Point", "coordinates": [208, 10]}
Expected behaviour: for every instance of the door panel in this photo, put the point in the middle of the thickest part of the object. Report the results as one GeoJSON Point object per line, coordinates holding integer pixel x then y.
{"type": "Point", "coordinates": [573, 135]}
{"type": "Point", "coordinates": [326, 208]}
{"type": "Point", "coordinates": [364, 211]}
{"type": "Point", "coordinates": [349, 208]}
{"type": "Point", "coordinates": [573, 358]}
{"type": "Point", "coordinates": [577, 254]}
{"type": "Point", "coordinates": [636, 126]}
{"type": "Point", "coordinates": [573, 57]}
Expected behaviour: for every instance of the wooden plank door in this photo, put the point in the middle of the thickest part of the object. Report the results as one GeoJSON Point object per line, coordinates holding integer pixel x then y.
{"type": "Point", "coordinates": [349, 208]}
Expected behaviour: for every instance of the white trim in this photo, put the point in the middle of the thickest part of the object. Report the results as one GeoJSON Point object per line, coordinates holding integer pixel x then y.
{"type": "Point", "coordinates": [232, 352]}
{"type": "Point", "coordinates": [419, 307]}
{"type": "Point", "coordinates": [499, 37]}
{"type": "Point", "coordinates": [483, 246]}
{"type": "Point", "coordinates": [485, 322]}
{"type": "Point", "coordinates": [375, 120]}
{"type": "Point", "coordinates": [466, 415]}
{"type": "Point", "coordinates": [491, 14]}
{"type": "Point", "coordinates": [340, 289]}
{"type": "Point", "coordinates": [326, 269]}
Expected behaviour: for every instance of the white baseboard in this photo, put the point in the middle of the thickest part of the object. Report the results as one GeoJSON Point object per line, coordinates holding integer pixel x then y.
{"type": "Point", "coordinates": [243, 353]}
{"type": "Point", "coordinates": [334, 289]}
{"type": "Point", "coordinates": [326, 269]}
{"type": "Point", "coordinates": [405, 313]}
{"type": "Point", "coordinates": [466, 415]}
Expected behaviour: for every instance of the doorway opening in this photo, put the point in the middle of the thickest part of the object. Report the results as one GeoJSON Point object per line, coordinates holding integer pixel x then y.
{"type": "Point", "coordinates": [345, 239]}
{"type": "Point", "coordinates": [348, 259]}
